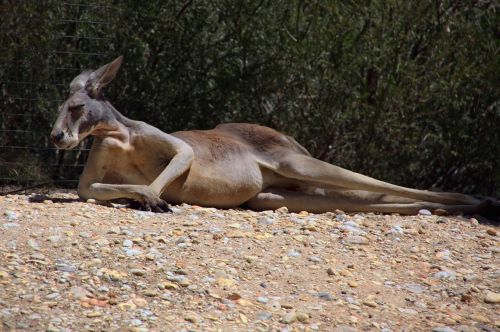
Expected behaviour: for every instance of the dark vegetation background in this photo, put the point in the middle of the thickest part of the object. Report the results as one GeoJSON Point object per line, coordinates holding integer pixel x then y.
{"type": "Point", "coordinates": [405, 91]}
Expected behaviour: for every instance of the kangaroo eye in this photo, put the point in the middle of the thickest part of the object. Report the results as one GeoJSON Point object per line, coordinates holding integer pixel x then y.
{"type": "Point", "coordinates": [76, 111]}
{"type": "Point", "coordinates": [75, 108]}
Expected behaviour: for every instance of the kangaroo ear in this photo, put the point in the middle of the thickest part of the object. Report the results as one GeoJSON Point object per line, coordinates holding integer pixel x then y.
{"type": "Point", "coordinates": [78, 82]}
{"type": "Point", "coordinates": [101, 77]}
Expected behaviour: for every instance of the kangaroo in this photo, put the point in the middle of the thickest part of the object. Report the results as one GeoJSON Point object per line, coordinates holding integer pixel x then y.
{"type": "Point", "coordinates": [232, 165]}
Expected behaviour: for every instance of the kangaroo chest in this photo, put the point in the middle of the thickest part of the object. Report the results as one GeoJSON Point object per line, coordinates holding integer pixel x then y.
{"type": "Point", "coordinates": [134, 164]}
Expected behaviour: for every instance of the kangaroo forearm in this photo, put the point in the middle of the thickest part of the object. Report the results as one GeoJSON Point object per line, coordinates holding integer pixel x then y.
{"type": "Point", "coordinates": [106, 192]}
{"type": "Point", "coordinates": [178, 166]}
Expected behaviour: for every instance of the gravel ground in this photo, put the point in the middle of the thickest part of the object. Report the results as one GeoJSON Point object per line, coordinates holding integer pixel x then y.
{"type": "Point", "coordinates": [67, 265]}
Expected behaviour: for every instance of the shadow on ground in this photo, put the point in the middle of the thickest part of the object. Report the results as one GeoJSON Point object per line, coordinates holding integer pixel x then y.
{"type": "Point", "coordinates": [39, 198]}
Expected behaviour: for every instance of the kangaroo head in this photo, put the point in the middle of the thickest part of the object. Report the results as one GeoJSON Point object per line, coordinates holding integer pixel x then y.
{"type": "Point", "coordinates": [85, 108]}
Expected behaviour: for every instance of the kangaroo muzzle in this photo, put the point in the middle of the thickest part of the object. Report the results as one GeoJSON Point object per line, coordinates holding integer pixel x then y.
{"type": "Point", "coordinates": [57, 136]}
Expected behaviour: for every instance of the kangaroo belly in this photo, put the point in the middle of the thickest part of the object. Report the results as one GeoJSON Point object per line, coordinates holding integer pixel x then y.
{"type": "Point", "coordinates": [224, 184]}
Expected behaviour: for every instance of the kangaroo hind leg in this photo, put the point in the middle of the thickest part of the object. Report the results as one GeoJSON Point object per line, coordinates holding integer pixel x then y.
{"type": "Point", "coordinates": [274, 198]}
{"type": "Point", "coordinates": [322, 174]}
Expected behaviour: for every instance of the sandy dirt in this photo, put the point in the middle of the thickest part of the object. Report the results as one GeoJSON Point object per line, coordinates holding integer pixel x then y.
{"type": "Point", "coordinates": [67, 265]}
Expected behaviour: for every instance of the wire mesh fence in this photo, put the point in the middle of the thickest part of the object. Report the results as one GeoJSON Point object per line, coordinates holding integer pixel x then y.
{"type": "Point", "coordinates": [44, 47]}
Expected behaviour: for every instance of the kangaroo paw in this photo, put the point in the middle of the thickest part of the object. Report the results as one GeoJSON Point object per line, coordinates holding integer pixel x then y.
{"type": "Point", "coordinates": [154, 205]}
{"type": "Point", "coordinates": [157, 205]}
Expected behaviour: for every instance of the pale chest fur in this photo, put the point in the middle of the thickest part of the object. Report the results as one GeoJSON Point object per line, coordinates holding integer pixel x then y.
{"type": "Point", "coordinates": [131, 163]}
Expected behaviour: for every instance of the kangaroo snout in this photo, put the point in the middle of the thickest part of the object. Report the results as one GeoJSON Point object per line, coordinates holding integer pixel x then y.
{"type": "Point", "coordinates": [56, 136]}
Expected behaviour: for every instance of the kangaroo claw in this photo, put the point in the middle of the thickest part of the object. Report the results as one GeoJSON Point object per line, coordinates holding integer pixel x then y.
{"type": "Point", "coordinates": [153, 205]}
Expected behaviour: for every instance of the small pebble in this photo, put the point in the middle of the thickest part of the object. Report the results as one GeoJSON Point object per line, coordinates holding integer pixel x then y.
{"type": "Point", "coordinates": [133, 252]}
{"type": "Point", "coordinates": [369, 303]}
{"type": "Point", "coordinates": [352, 228]}
{"type": "Point", "coordinates": [103, 289]}
{"type": "Point", "coordinates": [345, 273]}
{"type": "Point", "coordinates": [413, 288]}
{"type": "Point", "coordinates": [352, 283]}
{"type": "Point", "coordinates": [136, 322]}
{"type": "Point", "coordinates": [344, 328]}
{"type": "Point", "coordinates": [102, 242]}
{"type": "Point", "coordinates": [465, 328]}
{"type": "Point", "coordinates": [11, 215]}
{"type": "Point", "coordinates": [314, 259]}
{"type": "Point", "coordinates": [492, 297]}
{"type": "Point", "coordinates": [480, 318]}
{"type": "Point", "coordinates": [93, 314]}
{"type": "Point", "coordinates": [33, 245]}
{"type": "Point", "coordinates": [424, 212]}
{"type": "Point", "coordinates": [325, 296]}
{"type": "Point", "coordinates": [114, 230]}
{"type": "Point", "coordinates": [54, 239]}
{"type": "Point", "coordinates": [127, 243]}
{"type": "Point", "coordinates": [262, 299]}
{"type": "Point", "coordinates": [34, 317]}
{"type": "Point", "coordinates": [303, 317]}
{"type": "Point", "coordinates": [65, 266]}
{"type": "Point", "coordinates": [12, 225]}
{"type": "Point", "coordinates": [492, 232]}
{"type": "Point", "coordinates": [85, 235]}
{"type": "Point", "coordinates": [263, 315]}
{"type": "Point", "coordinates": [443, 329]}
{"type": "Point", "coordinates": [265, 220]}
{"type": "Point", "coordinates": [138, 272]}
{"type": "Point", "coordinates": [289, 318]}
{"type": "Point", "coordinates": [52, 328]}
{"type": "Point", "coordinates": [52, 296]}
{"type": "Point", "coordinates": [396, 230]}
{"type": "Point", "coordinates": [443, 254]}
{"type": "Point", "coordinates": [177, 278]}
{"type": "Point", "coordinates": [356, 239]}
{"type": "Point", "coordinates": [408, 311]}
{"type": "Point", "coordinates": [140, 329]}
{"type": "Point", "coordinates": [78, 292]}
{"type": "Point", "coordinates": [445, 275]}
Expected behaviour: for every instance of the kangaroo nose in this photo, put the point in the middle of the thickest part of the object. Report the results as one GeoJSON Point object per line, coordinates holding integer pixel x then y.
{"type": "Point", "coordinates": [57, 137]}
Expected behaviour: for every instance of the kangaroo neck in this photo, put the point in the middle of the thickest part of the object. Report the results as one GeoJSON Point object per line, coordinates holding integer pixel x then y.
{"type": "Point", "coordinates": [114, 124]}
{"type": "Point", "coordinates": [118, 116]}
